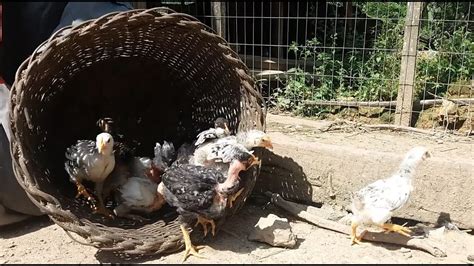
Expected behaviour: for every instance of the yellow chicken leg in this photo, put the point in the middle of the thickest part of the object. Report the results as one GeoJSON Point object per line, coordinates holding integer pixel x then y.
{"type": "Point", "coordinates": [401, 229]}
{"type": "Point", "coordinates": [189, 248]}
{"type": "Point", "coordinates": [354, 238]}
{"type": "Point", "coordinates": [204, 221]}
{"type": "Point", "coordinates": [232, 198]}
{"type": "Point", "coordinates": [81, 190]}
{"type": "Point", "coordinates": [101, 209]}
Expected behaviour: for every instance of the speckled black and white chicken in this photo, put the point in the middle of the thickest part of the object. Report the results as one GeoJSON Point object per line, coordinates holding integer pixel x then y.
{"type": "Point", "coordinates": [139, 192]}
{"type": "Point", "coordinates": [220, 130]}
{"type": "Point", "coordinates": [218, 154]}
{"type": "Point", "coordinates": [201, 193]}
{"type": "Point", "coordinates": [249, 139]}
{"type": "Point", "coordinates": [375, 203]}
{"type": "Point", "coordinates": [126, 164]}
{"type": "Point", "coordinates": [93, 161]}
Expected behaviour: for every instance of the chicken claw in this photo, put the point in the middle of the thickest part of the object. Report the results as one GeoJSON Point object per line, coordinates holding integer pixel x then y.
{"type": "Point", "coordinates": [190, 249]}
{"type": "Point", "coordinates": [204, 221]}
{"type": "Point", "coordinates": [401, 229]}
{"type": "Point", "coordinates": [232, 198]}
{"type": "Point", "coordinates": [354, 238]}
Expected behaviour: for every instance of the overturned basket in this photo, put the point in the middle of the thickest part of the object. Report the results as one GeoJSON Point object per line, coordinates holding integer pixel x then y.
{"type": "Point", "coordinates": [161, 75]}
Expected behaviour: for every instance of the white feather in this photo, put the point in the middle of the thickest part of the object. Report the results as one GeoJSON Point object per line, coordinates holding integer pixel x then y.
{"type": "Point", "coordinates": [138, 192]}
{"type": "Point", "coordinates": [375, 203]}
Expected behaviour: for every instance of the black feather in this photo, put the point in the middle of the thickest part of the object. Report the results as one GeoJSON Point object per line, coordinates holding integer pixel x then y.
{"type": "Point", "coordinates": [192, 186]}
{"type": "Point", "coordinates": [74, 164]}
{"type": "Point", "coordinates": [168, 153]}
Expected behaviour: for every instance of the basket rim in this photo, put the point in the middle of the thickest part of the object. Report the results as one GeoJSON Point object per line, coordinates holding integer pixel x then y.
{"type": "Point", "coordinates": [48, 203]}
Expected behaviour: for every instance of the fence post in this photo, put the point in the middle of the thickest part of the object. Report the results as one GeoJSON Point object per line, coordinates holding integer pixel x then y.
{"type": "Point", "coordinates": [219, 11]}
{"type": "Point", "coordinates": [403, 111]}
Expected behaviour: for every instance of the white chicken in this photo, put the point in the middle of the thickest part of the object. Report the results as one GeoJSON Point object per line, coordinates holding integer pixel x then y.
{"type": "Point", "coordinates": [139, 192]}
{"type": "Point", "coordinates": [375, 203]}
{"type": "Point", "coordinates": [92, 161]}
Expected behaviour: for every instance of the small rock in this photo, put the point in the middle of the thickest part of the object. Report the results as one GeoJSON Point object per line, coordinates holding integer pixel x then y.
{"type": "Point", "coordinates": [470, 258]}
{"type": "Point", "coordinates": [407, 255]}
{"type": "Point", "coordinates": [450, 226]}
{"type": "Point", "coordinates": [439, 141]}
{"type": "Point", "coordinates": [275, 231]}
{"type": "Point", "coordinates": [437, 233]}
{"type": "Point", "coordinates": [405, 250]}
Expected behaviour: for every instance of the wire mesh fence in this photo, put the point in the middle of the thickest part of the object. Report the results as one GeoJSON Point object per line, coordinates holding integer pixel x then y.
{"type": "Point", "coordinates": [344, 59]}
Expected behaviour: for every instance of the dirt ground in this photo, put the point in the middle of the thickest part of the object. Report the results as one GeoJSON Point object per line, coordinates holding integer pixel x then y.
{"type": "Point", "coordinates": [38, 240]}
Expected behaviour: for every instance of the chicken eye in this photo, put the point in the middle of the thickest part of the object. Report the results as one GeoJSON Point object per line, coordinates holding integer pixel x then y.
{"type": "Point", "coordinates": [108, 141]}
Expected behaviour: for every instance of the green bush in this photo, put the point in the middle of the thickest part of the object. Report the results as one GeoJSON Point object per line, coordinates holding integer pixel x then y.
{"type": "Point", "coordinates": [446, 55]}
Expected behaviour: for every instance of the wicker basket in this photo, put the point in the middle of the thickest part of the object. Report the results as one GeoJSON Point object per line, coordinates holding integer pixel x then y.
{"type": "Point", "coordinates": [161, 75]}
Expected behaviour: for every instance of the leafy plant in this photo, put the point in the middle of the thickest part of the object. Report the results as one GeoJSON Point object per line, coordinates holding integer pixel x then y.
{"type": "Point", "coordinates": [446, 54]}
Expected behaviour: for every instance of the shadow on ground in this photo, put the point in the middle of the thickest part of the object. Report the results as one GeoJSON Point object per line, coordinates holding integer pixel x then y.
{"type": "Point", "coordinates": [30, 225]}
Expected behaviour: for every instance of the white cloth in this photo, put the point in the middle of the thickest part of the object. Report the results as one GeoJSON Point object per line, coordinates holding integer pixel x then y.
{"type": "Point", "coordinates": [4, 103]}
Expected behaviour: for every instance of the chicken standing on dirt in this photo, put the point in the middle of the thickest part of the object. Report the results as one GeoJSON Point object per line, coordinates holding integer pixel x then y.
{"type": "Point", "coordinates": [375, 203]}
{"type": "Point", "coordinates": [201, 193]}
{"type": "Point", "coordinates": [92, 161]}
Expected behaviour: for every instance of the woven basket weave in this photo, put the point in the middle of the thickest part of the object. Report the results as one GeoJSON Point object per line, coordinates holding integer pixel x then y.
{"type": "Point", "coordinates": [159, 74]}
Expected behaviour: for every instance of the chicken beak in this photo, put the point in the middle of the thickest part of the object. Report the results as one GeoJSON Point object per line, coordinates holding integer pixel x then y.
{"type": "Point", "coordinates": [267, 143]}
{"type": "Point", "coordinates": [226, 128]}
{"type": "Point", "coordinates": [101, 146]}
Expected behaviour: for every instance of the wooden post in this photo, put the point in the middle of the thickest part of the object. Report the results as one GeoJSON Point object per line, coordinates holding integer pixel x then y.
{"type": "Point", "coordinates": [403, 111]}
{"type": "Point", "coordinates": [218, 11]}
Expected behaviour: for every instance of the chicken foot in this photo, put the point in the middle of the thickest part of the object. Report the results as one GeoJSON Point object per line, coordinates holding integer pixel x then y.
{"type": "Point", "coordinates": [81, 190]}
{"type": "Point", "coordinates": [401, 229]}
{"type": "Point", "coordinates": [234, 197]}
{"type": "Point", "coordinates": [204, 221]}
{"type": "Point", "coordinates": [190, 249]}
{"type": "Point", "coordinates": [101, 209]}
{"type": "Point", "coordinates": [354, 238]}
